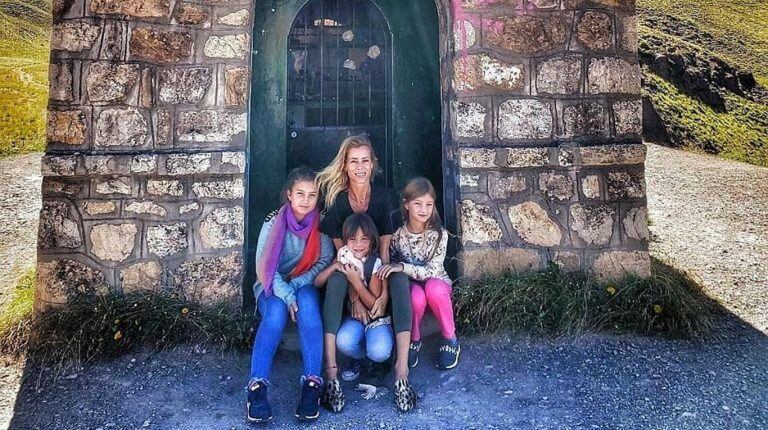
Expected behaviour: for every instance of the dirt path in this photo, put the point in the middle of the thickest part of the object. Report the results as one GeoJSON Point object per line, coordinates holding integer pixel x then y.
{"type": "Point", "coordinates": [710, 216]}
{"type": "Point", "coordinates": [19, 211]}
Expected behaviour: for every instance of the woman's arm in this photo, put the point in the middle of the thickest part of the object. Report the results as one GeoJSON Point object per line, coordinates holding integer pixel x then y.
{"type": "Point", "coordinates": [356, 283]}
{"type": "Point", "coordinates": [322, 277]}
{"type": "Point", "coordinates": [384, 248]}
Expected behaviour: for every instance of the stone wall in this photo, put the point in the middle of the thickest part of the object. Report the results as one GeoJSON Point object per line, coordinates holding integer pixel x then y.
{"type": "Point", "coordinates": [144, 171]}
{"type": "Point", "coordinates": [547, 123]}
{"type": "Point", "coordinates": [143, 176]}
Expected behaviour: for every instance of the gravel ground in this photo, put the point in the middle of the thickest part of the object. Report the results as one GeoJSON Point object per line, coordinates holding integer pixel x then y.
{"type": "Point", "coordinates": [710, 216]}
{"type": "Point", "coordinates": [19, 211]}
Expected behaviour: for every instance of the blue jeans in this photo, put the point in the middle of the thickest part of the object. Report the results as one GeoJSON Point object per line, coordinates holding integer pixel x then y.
{"type": "Point", "coordinates": [354, 341]}
{"type": "Point", "coordinates": [274, 316]}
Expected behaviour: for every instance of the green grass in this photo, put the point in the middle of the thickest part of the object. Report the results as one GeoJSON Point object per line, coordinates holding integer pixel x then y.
{"type": "Point", "coordinates": [738, 26]}
{"type": "Point", "coordinates": [24, 51]}
{"type": "Point", "coordinates": [16, 316]}
{"type": "Point", "coordinates": [554, 303]}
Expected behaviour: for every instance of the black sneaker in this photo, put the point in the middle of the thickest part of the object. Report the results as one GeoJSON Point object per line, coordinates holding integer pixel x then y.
{"type": "Point", "coordinates": [448, 355]}
{"type": "Point", "coordinates": [257, 406]}
{"type": "Point", "coordinates": [413, 353]}
{"type": "Point", "coordinates": [376, 372]}
{"type": "Point", "coordinates": [309, 403]}
{"type": "Point", "coordinates": [333, 397]}
{"type": "Point", "coordinates": [352, 372]}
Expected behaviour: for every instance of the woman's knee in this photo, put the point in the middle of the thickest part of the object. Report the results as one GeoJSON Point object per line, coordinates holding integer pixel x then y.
{"type": "Point", "coordinates": [336, 286]}
{"type": "Point", "coordinates": [274, 313]}
{"type": "Point", "coordinates": [436, 289]}
{"type": "Point", "coordinates": [348, 337]}
{"type": "Point", "coordinates": [379, 352]}
{"type": "Point", "coordinates": [418, 298]}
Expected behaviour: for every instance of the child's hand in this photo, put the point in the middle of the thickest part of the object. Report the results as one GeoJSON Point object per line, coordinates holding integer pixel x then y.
{"type": "Point", "coordinates": [293, 309]}
{"type": "Point", "coordinates": [336, 266]}
{"type": "Point", "coordinates": [351, 272]}
{"type": "Point", "coordinates": [360, 313]}
{"type": "Point", "coordinates": [388, 269]}
{"type": "Point", "coordinates": [378, 308]}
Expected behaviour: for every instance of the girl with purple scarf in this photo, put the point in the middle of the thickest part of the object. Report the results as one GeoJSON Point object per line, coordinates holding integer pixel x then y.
{"type": "Point", "coordinates": [291, 251]}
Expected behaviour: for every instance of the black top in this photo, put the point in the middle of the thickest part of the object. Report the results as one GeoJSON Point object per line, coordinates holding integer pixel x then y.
{"type": "Point", "coordinates": [383, 209]}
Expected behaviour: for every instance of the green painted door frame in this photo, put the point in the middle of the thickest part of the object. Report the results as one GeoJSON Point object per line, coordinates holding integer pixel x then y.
{"type": "Point", "coordinates": [419, 131]}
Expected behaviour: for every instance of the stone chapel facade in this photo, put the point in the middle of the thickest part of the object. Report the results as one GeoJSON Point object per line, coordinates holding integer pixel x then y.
{"type": "Point", "coordinates": [146, 169]}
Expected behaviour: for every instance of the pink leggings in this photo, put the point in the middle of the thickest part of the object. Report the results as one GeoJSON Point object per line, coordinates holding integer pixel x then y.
{"type": "Point", "coordinates": [437, 294]}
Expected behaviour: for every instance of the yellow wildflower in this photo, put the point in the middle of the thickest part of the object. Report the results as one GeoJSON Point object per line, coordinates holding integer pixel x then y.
{"type": "Point", "coordinates": [184, 311]}
{"type": "Point", "coordinates": [117, 321]}
{"type": "Point", "coordinates": [611, 290]}
{"type": "Point", "coordinates": [657, 309]}
{"type": "Point", "coordinates": [118, 335]}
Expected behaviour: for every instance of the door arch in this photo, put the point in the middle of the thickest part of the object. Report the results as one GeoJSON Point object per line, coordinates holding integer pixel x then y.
{"type": "Point", "coordinates": [416, 133]}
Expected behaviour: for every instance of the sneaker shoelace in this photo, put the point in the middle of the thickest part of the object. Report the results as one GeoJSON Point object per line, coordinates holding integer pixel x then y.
{"type": "Point", "coordinates": [450, 348]}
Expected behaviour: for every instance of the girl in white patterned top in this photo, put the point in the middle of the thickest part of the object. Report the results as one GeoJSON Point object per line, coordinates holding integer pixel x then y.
{"type": "Point", "coordinates": [418, 249]}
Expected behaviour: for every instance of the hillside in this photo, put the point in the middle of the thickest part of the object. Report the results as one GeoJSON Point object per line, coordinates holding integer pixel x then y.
{"type": "Point", "coordinates": [24, 35]}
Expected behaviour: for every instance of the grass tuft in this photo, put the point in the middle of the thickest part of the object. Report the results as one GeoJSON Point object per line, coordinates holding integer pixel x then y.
{"type": "Point", "coordinates": [555, 303]}
{"type": "Point", "coordinates": [16, 316]}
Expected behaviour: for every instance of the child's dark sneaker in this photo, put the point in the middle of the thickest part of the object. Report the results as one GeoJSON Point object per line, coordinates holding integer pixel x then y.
{"type": "Point", "coordinates": [376, 372]}
{"type": "Point", "coordinates": [309, 403]}
{"type": "Point", "coordinates": [413, 353]}
{"type": "Point", "coordinates": [448, 354]}
{"type": "Point", "coordinates": [333, 398]}
{"type": "Point", "coordinates": [405, 397]}
{"type": "Point", "coordinates": [352, 372]}
{"type": "Point", "coordinates": [257, 406]}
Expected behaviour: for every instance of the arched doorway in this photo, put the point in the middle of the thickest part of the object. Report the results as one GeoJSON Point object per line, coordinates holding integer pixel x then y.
{"type": "Point", "coordinates": [324, 69]}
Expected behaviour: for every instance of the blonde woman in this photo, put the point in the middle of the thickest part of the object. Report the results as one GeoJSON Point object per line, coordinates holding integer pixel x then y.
{"type": "Point", "coordinates": [348, 188]}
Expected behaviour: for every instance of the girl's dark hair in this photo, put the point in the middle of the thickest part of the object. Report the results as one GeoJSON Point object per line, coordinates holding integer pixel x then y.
{"type": "Point", "coordinates": [419, 187]}
{"type": "Point", "coordinates": [360, 221]}
{"type": "Point", "coordinates": [299, 174]}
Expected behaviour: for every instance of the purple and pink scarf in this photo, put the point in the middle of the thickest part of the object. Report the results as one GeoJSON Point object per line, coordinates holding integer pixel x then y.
{"type": "Point", "coordinates": [308, 229]}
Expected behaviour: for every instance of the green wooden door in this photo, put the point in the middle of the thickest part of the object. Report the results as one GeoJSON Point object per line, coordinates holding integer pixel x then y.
{"type": "Point", "coordinates": [285, 123]}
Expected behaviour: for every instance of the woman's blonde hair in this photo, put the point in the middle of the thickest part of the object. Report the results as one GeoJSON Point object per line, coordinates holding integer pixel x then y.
{"type": "Point", "coordinates": [333, 179]}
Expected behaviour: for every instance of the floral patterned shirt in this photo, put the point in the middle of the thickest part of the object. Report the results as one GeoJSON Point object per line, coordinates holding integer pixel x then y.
{"type": "Point", "coordinates": [421, 259]}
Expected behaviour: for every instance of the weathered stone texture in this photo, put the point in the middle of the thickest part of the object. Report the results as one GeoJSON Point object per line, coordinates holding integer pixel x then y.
{"type": "Point", "coordinates": [477, 158]}
{"type": "Point", "coordinates": [236, 86]}
{"type": "Point", "coordinates": [236, 159]}
{"type": "Point", "coordinates": [96, 207]}
{"type": "Point", "coordinates": [534, 225]}
{"type": "Point", "coordinates": [595, 30]}
{"type": "Point", "coordinates": [636, 224]}
{"type": "Point", "coordinates": [504, 186]}
{"type": "Point", "coordinates": [613, 75]}
{"type": "Point", "coordinates": [560, 75]}
{"type": "Point", "coordinates": [60, 82]}
{"type": "Point", "coordinates": [585, 119]}
{"type": "Point", "coordinates": [144, 163]}
{"type": "Point", "coordinates": [135, 8]}
{"type": "Point", "coordinates": [122, 127]}
{"type": "Point", "coordinates": [160, 46]}
{"type": "Point", "coordinates": [187, 164]}
{"type": "Point", "coordinates": [60, 280]}
{"type": "Point", "coordinates": [527, 157]}
{"type": "Point", "coordinates": [614, 265]}
{"type": "Point", "coordinates": [121, 185]}
{"type": "Point", "coordinates": [229, 46]}
{"type": "Point", "coordinates": [478, 224]}
{"type": "Point", "coordinates": [59, 226]}
{"type": "Point", "coordinates": [464, 35]}
{"type": "Point", "coordinates": [157, 187]}
{"type": "Point", "coordinates": [626, 185]}
{"type": "Point", "coordinates": [593, 224]}
{"type": "Point", "coordinates": [146, 208]}
{"type": "Point", "coordinates": [481, 262]}
{"type": "Point", "coordinates": [107, 82]}
{"type": "Point", "coordinates": [568, 261]}
{"type": "Point", "coordinates": [141, 277]}
{"type": "Point", "coordinates": [469, 119]}
{"type": "Point", "coordinates": [590, 186]}
{"type": "Point", "coordinates": [211, 280]}
{"type": "Point", "coordinates": [58, 165]}
{"type": "Point", "coordinates": [524, 119]}
{"type": "Point", "coordinates": [184, 85]}
{"type": "Point", "coordinates": [628, 117]}
{"type": "Point", "coordinates": [222, 228]}
{"type": "Point", "coordinates": [66, 127]}
{"type": "Point", "coordinates": [485, 72]}
{"type": "Point", "coordinates": [227, 189]}
{"type": "Point", "coordinates": [188, 14]}
{"type": "Point", "coordinates": [608, 155]}
{"type": "Point", "coordinates": [113, 242]}
{"type": "Point", "coordinates": [210, 126]}
{"type": "Point", "coordinates": [525, 34]}
{"type": "Point", "coordinates": [167, 239]}
{"type": "Point", "coordinates": [557, 186]}
{"type": "Point", "coordinates": [235, 19]}
{"type": "Point", "coordinates": [74, 36]}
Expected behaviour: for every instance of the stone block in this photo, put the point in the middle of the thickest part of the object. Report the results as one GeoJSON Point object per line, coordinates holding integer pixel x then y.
{"type": "Point", "coordinates": [213, 280]}
{"type": "Point", "coordinates": [59, 226]}
{"type": "Point", "coordinates": [188, 85]}
{"type": "Point", "coordinates": [112, 44]}
{"type": "Point", "coordinates": [567, 261]}
{"type": "Point", "coordinates": [524, 119]}
{"type": "Point", "coordinates": [590, 187]}
{"type": "Point", "coordinates": [559, 75]}
{"type": "Point", "coordinates": [236, 86]}
{"type": "Point", "coordinates": [122, 127]}
{"type": "Point", "coordinates": [222, 228]}
{"type": "Point", "coordinates": [544, 4]}
{"type": "Point", "coordinates": [608, 155]}
{"type": "Point", "coordinates": [163, 187]}
{"type": "Point", "coordinates": [628, 117]}
{"type": "Point", "coordinates": [502, 186]}
{"type": "Point", "coordinates": [464, 35]}
{"type": "Point", "coordinates": [593, 223]}
{"type": "Point", "coordinates": [525, 34]}
{"type": "Point", "coordinates": [636, 224]}
{"type": "Point", "coordinates": [187, 164]}
{"type": "Point", "coordinates": [102, 165]}
{"type": "Point", "coordinates": [595, 30]}
{"type": "Point", "coordinates": [141, 277]}
{"type": "Point", "coordinates": [161, 46]}
{"type": "Point", "coordinates": [109, 82]}
{"type": "Point", "coordinates": [74, 36]}
{"type": "Point", "coordinates": [238, 18]}
{"type": "Point", "coordinates": [219, 189]}
{"type": "Point", "coordinates": [236, 159]}
{"type": "Point", "coordinates": [584, 119]}
{"type": "Point", "coordinates": [629, 34]}
{"type": "Point", "coordinates": [210, 126]}
{"type": "Point", "coordinates": [527, 157]}
{"type": "Point", "coordinates": [227, 47]}
{"type": "Point", "coordinates": [121, 185]}
{"type": "Point", "coordinates": [468, 180]}
{"type": "Point", "coordinates": [189, 207]}
{"type": "Point", "coordinates": [613, 75]}
{"type": "Point", "coordinates": [469, 119]}
{"type": "Point", "coordinates": [99, 207]}
{"type": "Point", "coordinates": [533, 224]}
{"type": "Point", "coordinates": [616, 4]}
{"type": "Point", "coordinates": [58, 165]}
{"type": "Point", "coordinates": [189, 14]}
{"type": "Point", "coordinates": [167, 239]}
{"type": "Point", "coordinates": [69, 188]}
{"type": "Point", "coordinates": [481, 158]}
{"type": "Point", "coordinates": [144, 163]}
{"type": "Point", "coordinates": [484, 4]}
{"type": "Point", "coordinates": [66, 127]}
{"type": "Point", "coordinates": [163, 127]}
{"type": "Point", "coordinates": [626, 185]}
{"type": "Point", "coordinates": [478, 72]}
{"type": "Point", "coordinates": [556, 186]}
{"type": "Point", "coordinates": [614, 265]}
{"type": "Point", "coordinates": [478, 224]}
{"type": "Point", "coordinates": [58, 281]}
{"type": "Point", "coordinates": [145, 208]}
{"type": "Point", "coordinates": [478, 263]}
{"type": "Point", "coordinates": [60, 82]}
{"type": "Point", "coordinates": [133, 8]}
{"type": "Point", "coordinates": [113, 242]}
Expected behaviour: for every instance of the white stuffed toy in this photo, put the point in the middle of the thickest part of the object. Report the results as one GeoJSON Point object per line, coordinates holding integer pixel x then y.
{"type": "Point", "coordinates": [345, 256]}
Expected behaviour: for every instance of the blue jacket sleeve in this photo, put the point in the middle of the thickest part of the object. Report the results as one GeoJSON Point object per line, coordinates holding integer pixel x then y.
{"type": "Point", "coordinates": [280, 288]}
{"type": "Point", "coordinates": [326, 256]}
